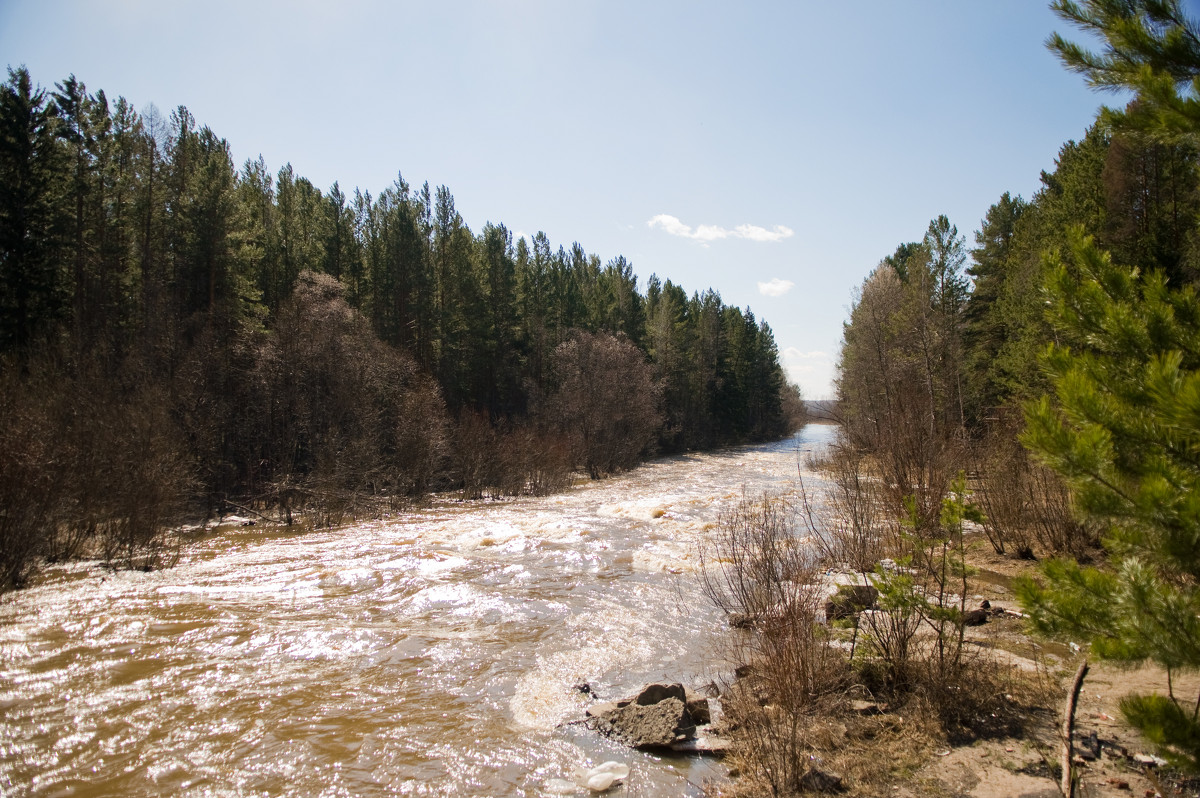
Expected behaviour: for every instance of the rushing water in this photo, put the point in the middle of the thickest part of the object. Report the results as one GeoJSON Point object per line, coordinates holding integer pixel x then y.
{"type": "Point", "coordinates": [436, 654]}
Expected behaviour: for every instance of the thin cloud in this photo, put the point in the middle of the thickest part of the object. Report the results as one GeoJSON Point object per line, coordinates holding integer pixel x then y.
{"type": "Point", "coordinates": [792, 353]}
{"type": "Point", "coordinates": [775, 287]}
{"type": "Point", "coordinates": [706, 233]}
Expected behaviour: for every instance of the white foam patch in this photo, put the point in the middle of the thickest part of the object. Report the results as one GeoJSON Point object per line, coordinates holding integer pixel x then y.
{"type": "Point", "coordinates": [286, 590]}
{"type": "Point", "coordinates": [545, 697]}
{"type": "Point", "coordinates": [439, 564]}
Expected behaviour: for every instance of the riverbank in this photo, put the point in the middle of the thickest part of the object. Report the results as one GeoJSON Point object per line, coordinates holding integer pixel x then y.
{"type": "Point", "coordinates": [1012, 749]}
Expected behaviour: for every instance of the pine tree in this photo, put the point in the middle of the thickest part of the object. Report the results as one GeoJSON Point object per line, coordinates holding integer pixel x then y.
{"type": "Point", "coordinates": [1123, 425]}
{"type": "Point", "coordinates": [1124, 429]}
{"type": "Point", "coordinates": [30, 169]}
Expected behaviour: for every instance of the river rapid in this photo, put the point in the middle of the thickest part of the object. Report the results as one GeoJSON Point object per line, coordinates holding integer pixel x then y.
{"type": "Point", "coordinates": [432, 654]}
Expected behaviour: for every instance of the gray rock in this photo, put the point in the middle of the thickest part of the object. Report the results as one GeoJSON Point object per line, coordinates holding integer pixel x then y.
{"type": "Point", "coordinates": [850, 600]}
{"type": "Point", "coordinates": [654, 693]}
{"type": "Point", "coordinates": [602, 708]}
{"type": "Point", "coordinates": [698, 708]}
{"type": "Point", "coordinates": [705, 742]}
{"type": "Point", "coordinates": [656, 725]}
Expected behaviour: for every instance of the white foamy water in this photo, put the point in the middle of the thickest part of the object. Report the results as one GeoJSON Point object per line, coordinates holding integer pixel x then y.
{"type": "Point", "coordinates": [435, 654]}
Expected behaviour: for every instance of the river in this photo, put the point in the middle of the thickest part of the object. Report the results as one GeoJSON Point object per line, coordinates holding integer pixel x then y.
{"type": "Point", "coordinates": [432, 654]}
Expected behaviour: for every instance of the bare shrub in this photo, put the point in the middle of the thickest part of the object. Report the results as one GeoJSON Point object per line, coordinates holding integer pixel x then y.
{"type": "Point", "coordinates": [1052, 516]}
{"type": "Point", "coordinates": [852, 528]}
{"type": "Point", "coordinates": [474, 453]}
{"type": "Point", "coordinates": [348, 415]}
{"type": "Point", "coordinates": [507, 459]}
{"type": "Point", "coordinates": [534, 462]}
{"type": "Point", "coordinates": [145, 478]}
{"type": "Point", "coordinates": [1024, 502]}
{"type": "Point", "coordinates": [758, 570]}
{"type": "Point", "coordinates": [90, 464]}
{"type": "Point", "coordinates": [1002, 472]}
{"type": "Point", "coordinates": [29, 477]}
{"type": "Point", "coordinates": [606, 402]}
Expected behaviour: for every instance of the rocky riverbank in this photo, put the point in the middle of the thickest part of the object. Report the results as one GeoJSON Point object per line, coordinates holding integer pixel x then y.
{"type": "Point", "coordinates": [855, 744]}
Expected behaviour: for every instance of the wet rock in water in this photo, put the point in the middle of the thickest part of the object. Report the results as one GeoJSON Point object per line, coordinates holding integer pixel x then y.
{"type": "Point", "coordinates": [698, 708]}
{"type": "Point", "coordinates": [654, 693]}
{"type": "Point", "coordinates": [602, 708]}
{"type": "Point", "coordinates": [646, 726]}
{"type": "Point", "coordinates": [705, 742]}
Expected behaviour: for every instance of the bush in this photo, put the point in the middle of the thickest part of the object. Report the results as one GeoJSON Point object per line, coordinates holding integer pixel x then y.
{"type": "Point", "coordinates": [757, 569]}
{"type": "Point", "coordinates": [606, 402]}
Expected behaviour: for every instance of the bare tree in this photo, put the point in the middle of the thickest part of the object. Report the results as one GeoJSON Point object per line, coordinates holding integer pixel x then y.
{"type": "Point", "coordinates": [606, 401]}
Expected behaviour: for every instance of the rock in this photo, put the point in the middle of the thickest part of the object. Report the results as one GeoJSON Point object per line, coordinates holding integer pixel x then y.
{"type": "Point", "coordinates": [600, 782]}
{"type": "Point", "coordinates": [560, 787]}
{"type": "Point", "coordinates": [819, 781]}
{"type": "Point", "coordinates": [850, 600]}
{"type": "Point", "coordinates": [705, 742]}
{"type": "Point", "coordinates": [1149, 760]}
{"type": "Point", "coordinates": [602, 708]}
{"type": "Point", "coordinates": [975, 617]}
{"type": "Point", "coordinates": [646, 726]}
{"type": "Point", "coordinates": [865, 708]}
{"type": "Point", "coordinates": [698, 708]}
{"type": "Point", "coordinates": [654, 693]}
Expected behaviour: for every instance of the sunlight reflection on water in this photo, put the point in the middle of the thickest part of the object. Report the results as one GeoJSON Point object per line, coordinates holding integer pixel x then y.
{"type": "Point", "coordinates": [434, 654]}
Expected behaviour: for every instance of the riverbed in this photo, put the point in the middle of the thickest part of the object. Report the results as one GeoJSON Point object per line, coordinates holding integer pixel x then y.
{"type": "Point", "coordinates": [437, 653]}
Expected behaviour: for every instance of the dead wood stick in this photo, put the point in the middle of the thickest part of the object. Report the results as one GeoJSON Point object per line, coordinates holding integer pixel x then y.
{"type": "Point", "coordinates": [248, 510]}
{"type": "Point", "coordinates": [1068, 731]}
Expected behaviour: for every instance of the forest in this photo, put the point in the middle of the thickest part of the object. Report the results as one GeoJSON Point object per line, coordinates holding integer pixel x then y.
{"type": "Point", "coordinates": [1044, 383]}
{"type": "Point", "coordinates": [179, 336]}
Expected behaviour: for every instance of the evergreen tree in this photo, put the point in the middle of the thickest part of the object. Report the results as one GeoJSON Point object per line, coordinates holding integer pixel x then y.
{"type": "Point", "coordinates": [1123, 425]}
{"type": "Point", "coordinates": [1124, 429]}
{"type": "Point", "coordinates": [985, 329]}
{"type": "Point", "coordinates": [33, 294]}
{"type": "Point", "coordinates": [1150, 46]}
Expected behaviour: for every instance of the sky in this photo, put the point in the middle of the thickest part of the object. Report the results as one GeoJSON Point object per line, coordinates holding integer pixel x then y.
{"type": "Point", "coordinates": [772, 151]}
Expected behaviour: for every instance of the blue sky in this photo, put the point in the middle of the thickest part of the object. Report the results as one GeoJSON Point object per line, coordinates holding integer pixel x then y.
{"type": "Point", "coordinates": [773, 151]}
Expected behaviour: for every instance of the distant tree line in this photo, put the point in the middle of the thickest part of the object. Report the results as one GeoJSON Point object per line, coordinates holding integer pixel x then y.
{"type": "Point", "coordinates": [174, 331]}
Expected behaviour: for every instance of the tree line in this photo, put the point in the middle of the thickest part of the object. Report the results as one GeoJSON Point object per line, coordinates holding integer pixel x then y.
{"type": "Point", "coordinates": [178, 333]}
{"type": "Point", "coordinates": [1055, 363]}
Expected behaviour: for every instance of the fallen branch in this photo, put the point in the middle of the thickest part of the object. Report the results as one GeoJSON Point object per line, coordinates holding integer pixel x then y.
{"type": "Point", "coordinates": [1068, 731]}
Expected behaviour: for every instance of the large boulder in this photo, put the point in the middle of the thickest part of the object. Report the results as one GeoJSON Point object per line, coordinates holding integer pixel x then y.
{"type": "Point", "coordinates": [645, 726]}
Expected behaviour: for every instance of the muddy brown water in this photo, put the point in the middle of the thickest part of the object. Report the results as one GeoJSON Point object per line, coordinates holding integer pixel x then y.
{"type": "Point", "coordinates": [433, 654]}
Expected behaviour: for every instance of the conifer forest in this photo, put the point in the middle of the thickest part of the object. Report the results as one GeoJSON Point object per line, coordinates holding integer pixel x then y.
{"type": "Point", "coordinates": [178, 332]}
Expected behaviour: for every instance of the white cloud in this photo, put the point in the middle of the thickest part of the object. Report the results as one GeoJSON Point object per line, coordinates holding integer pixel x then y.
{"type": "Point", "coordinates": [792, 353]}
{"type": "Point", "coordinates": [671, 225]}
{"type": "Point", "coordinates": [775, 287]}
{"type": "Point", "coordinates": [709, 232]}
{"type": "Point", "coordinates": [756, 233]}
